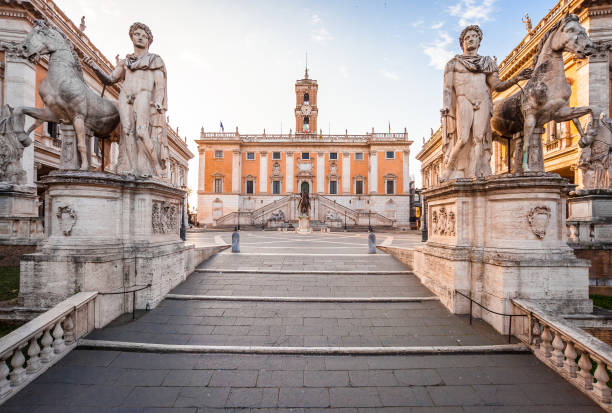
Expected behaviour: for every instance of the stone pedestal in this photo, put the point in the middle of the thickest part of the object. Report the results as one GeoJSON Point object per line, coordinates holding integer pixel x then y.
{"type": "Point", "coordinates": [500, 238]}
{"type": "Point", "coordinates": [20, 226]}
{"type": "Point", "coordinates": [304, 225]}
{"type": "Point", "coordinates": [589, 231]}
{"type": "Point", "coordinates": [107, 233]}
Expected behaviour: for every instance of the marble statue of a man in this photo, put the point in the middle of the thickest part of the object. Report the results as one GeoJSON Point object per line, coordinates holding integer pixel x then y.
{"type": "Point", "coordinates": [467, 106]}
{"type": "Point", "coordinates": [143, 148]}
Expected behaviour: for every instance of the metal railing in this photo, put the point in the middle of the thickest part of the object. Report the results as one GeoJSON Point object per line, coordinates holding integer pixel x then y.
{"type": "Point", "coordinates": [491, 311]}
{"type": "Point", "coordinates": [134, 291]}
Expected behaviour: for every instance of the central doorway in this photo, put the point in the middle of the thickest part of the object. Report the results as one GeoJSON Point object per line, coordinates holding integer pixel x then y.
{"type": "Point", "coordinates": [305, 187]}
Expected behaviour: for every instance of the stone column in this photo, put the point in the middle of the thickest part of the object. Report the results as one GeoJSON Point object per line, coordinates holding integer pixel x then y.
{"type": "Point", "coordinates": [405, 173]}
{"type": "Point", "coordinates": [20, 90]}
{"type": "Point", "coordinates": [263, 172]}
{"type": "Point", "coordinates": [236, 168]}
{"type": "Point", "coordinates": [202, 170]}
{"type": "Point", "coordinates": [346, 172]}
{"type": "Point", "coordinates": [289, 173]}
{"type": "Point", "coordinates": [373, 178]}
{"type": "Point", "coordinates": [320, 172]}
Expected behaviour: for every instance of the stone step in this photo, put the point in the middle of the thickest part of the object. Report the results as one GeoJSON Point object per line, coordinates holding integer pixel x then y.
{"type": "Point", "coordinates": [296, 324]}
{"type": "Point", "coordinates": [332, 284]}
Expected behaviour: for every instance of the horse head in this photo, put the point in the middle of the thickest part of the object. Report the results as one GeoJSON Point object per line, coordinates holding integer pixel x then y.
{"type": "Point", "coordinates": [571, 37]}
{"type": "Point", "coordinates": [42, 40]}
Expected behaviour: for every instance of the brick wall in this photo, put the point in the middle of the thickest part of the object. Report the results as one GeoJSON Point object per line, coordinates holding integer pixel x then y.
{"type": "Point", "coordinates": [10, 255]}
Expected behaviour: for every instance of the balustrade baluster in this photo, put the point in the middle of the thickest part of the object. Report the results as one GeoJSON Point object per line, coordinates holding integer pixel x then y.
{"type": "Point", "coordinates": [570, 360]}
{"type": "Point", "coordinates": [17, 361]}
{"type": "Point", "coordinates": [546, 345]}
{"type": "Point", "coordinates": [5, 385]}
{"type": "Point", "coordinates": [34, 363]}
{"type": "Point", "coordinates": [69, 329]}
{"type": "Point", "coordinates": [536, 339]}
{"type": "Point", "coordinates": [557, 353]}
{"type": "Point", "coordinates": [46, 355]}
{"type": "Point", "coordinates": [58, 334]}
{"type": "Point", "coordinates": [601, 387]}
{"type": "Point", "coordinates": [586, 378]}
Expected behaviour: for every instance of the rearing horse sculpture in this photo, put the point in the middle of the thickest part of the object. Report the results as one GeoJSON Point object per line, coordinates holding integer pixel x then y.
{"type": "Point", "coordinates": [66, 96]}
{"type": "Point", "coordinates": [546, 95]}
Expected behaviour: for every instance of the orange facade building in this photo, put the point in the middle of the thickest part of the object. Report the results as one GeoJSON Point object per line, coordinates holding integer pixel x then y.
{"type": "Point", "coordinates": [254, 179]}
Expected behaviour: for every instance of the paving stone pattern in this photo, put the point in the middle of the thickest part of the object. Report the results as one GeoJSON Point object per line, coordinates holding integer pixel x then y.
{"type": "Point", "coordinates": [111, 381]}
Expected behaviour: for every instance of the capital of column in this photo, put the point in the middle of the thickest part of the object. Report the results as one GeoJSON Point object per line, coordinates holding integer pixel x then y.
{"type": "Point", "coordinates": [236, 152]}
{"type": "Point", "coordinates": [263, 153]}
{"type": "Point", "coordinates": [289, 153]}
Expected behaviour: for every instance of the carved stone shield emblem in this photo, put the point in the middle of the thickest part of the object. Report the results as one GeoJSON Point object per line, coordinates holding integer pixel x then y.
{"type": "Point", "coordinates": [67, 218]}
{"type": "Point", "coordinates": [539, 218]}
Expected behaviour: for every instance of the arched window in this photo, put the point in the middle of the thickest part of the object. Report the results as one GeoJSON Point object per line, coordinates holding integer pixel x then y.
{"type": "Point", "coordinates": [306, 123]}
{"type": "Point", "coordinates": [306, 98]}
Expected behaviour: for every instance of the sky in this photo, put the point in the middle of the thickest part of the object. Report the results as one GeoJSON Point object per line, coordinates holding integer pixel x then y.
{"type": "Point", "coordinates": [377, 62]}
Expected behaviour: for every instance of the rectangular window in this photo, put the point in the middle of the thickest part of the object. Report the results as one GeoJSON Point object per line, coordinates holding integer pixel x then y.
{"type": "Point", "coordinates": [250, 156]}
{"type": "Point", "coordinates": [333, 155]}
{"type": "Point", "coordinates": [52, 129]}
{"type": "Point", "coordinates": [218, 185]}
{"type": "Point", "coordinates": [218, 154]}
{"type": "Point", "coordinates": [359, 156]}
{"type": "Point", "coordinates": [390, 187]}
{"type": "Point", "coordinates": [276, 155]}
{"type": "Point", "coordinates": [305, 155]}
{"type": "Point", "coordinates": [276, 187]}
{"type": "Point", "coordinates": [359, 187]}
{"type": "Point", "coordinates": [249, 187]}
{"type": "Point", "coordinates": [333, 187]}
{"type": "Point", "coordinates": [390, 155]}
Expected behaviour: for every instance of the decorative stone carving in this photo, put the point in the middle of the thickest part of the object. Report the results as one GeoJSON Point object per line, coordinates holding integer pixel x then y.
{"type": "Point", "coordinates": [165, 217]}
{"type": "Point", "coordinates": [331, 216]}
{"type": "Point", "coordinates": [277, 216]}
{"type": "Point", "coordinates": [443, 222]}
{"type": "Point", "coordinates": [67, 217]}
{"type": "Point", "coordinates": [595, 161]}
{"type": "Point", "coordinates": [276, 170]}
{"type": "Point", "coordinates": [539, 218]}
{"type": "Point", "coordinates": [11, 148]}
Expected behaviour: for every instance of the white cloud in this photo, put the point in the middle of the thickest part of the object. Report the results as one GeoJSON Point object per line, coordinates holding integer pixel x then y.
{"type": "Point", "coordinates": [315, 19]}
{"type": "Point", "coordinates": [437, 25]}
{"type": "Point", "coordinates": [321, 35]}
{"type": "Point", "coordinates": [472, 11]}
{"type": "Point", "coordinates": [344, 71]}
{"type": "Point", "coordinates": [417, 23]}
{"type": "Point", "coordinates": [439, 51]}
{"type": "Point", "coordinates": [389, 75]}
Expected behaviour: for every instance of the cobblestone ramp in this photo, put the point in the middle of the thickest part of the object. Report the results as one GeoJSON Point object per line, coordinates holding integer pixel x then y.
{"type": "Point", "coordinates": [116, 381]}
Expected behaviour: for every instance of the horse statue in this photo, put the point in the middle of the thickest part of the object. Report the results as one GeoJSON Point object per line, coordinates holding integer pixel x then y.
{"type": "Point", "coordinates": [67, 98]}
{"type": "Point", "coordinates": [595, 163]}
{"type": "Point", "coordinates": [546, 95]}
{"type": "Point", "coordinates": [304, 203]}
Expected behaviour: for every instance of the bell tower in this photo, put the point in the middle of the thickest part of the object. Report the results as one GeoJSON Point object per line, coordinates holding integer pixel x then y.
{"type": "Point", "coordinates": [306, 110]}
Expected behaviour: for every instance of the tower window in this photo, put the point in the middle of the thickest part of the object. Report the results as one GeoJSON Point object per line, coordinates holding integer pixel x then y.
{"type": "Point", "coordinates": [305, 155]}
{"type": "Point", "coordinates": [218, 154]}
{"type": "Point", "coordinates": [306, 98]}
{"type": "Point", "coordinates": [390, 155]}
{"type": "Point", "coordinates": [276, 155]}
{"type": "Point", "coordinates": [359, 156]}
{"type": "Point", "coordinates": [333, 155]}
{"type": "Point", "coordinates": [250, 156]}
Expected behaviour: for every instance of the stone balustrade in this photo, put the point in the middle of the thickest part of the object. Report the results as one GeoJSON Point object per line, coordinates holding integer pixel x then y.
{"type": "Point", "coordinates": [580, 358]}
{"type": "Point", "coordinates": [34, 347]}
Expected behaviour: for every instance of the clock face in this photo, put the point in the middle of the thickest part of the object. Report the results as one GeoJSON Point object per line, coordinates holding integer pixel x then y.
{"type": "Point", "coordinates": [306, 109]}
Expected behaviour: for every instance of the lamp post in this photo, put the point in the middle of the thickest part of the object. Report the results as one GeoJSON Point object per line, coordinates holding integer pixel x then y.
{"type": "Point", "coordinates": [345, 219]}
{"type": "Point", "coordinates": [369, 223]}
{"type": "Point", "coordinates": [238, 228]}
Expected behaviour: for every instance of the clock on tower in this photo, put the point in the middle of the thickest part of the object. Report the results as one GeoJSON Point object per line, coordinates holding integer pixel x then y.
{"type": "Point", "coordinates": [306, 110]}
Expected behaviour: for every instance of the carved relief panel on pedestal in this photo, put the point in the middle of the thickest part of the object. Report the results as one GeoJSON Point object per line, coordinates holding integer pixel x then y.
{"type": "Point", "coordinates": [443, 221]}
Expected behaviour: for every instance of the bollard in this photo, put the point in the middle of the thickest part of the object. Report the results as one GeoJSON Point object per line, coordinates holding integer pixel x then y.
{"type": "Point", "coordinates": [235, 241]}
{"type": "Point", "coordinates": [372, 243]}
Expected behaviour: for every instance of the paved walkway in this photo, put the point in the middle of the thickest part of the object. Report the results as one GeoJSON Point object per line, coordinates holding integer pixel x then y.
{"type": "Point", "coordinates": [115, 381]}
